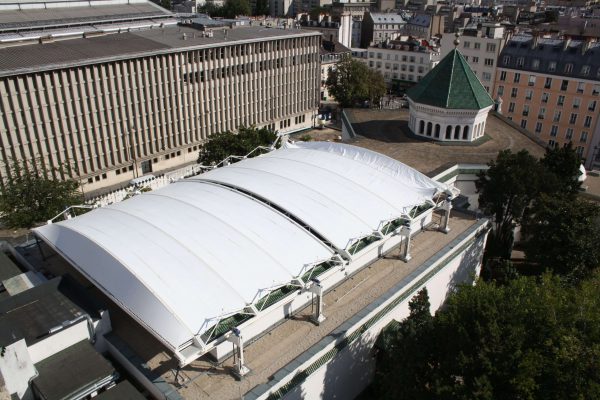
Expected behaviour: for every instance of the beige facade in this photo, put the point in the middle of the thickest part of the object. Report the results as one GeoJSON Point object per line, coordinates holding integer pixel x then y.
{"type": "Point", "coordinates": [557, 109]}
{"type": "Point", "coordinates": [113, 120]}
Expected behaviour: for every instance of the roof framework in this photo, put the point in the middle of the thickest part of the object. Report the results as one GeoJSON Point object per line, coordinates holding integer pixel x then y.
{"type": "Point", "coordinates": [180, 258]}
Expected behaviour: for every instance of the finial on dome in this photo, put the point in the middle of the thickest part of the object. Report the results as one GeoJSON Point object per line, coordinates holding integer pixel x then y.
{"type": "Point", "coordinates": [456, 41]}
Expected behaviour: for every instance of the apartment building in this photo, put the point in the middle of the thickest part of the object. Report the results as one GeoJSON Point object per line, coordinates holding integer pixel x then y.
{"type": "Point", "coordinates": [403, 62]}
{"type": "Point", "coordinates": [118, 102]}
{"type": "Point", "coordinates": [551, 87]}
{"type": "Point", "coordinates": [425, 26]}
{"type": "Point", "coordinates": [379, 27]}
{"type": "Point", "coordinates": [331, 54]}
{"type": "Point", "coordinates": [480, 45]}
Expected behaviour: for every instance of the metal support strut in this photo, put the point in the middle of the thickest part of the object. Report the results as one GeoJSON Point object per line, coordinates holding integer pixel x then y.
{"type": "Point", "coordinates": [317, 290]}
{"type": "Point", "coordinates": [406, 255]}
{"type": "Point", "coordinates": [239, 368]}
{"type": "Point", "coordinates": [447, 207]}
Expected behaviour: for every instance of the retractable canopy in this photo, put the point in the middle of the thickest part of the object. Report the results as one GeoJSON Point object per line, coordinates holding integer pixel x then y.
{"type": "Point", "coordinates": [179, 257]}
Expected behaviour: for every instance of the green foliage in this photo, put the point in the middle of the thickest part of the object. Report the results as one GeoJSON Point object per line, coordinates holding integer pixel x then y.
{"type": "Point", "coordinates": [225, 144]}
{"type": "Point", "coordinates": [230, 9]}
{"type": "Point", "coordinates": [352, 83]}
{"type": "Point", "coordinates": [563, 235]}
{"type": "Point", "coordinates": [397, 342]}
{"type": "Point", "coordinates": [165, 4]}
{"type": "Point", "coordinates": [305, 138]}
{"type": "Point", "coordinates": [561, 165]}
{"type": "Point", "coordinates": [534, 338]}
{"type": "Point", "coordinates": [32, 194]}
{"type": "Point", "coordinates": [499, 270]}
{"type": "Point", "coordinates": [262, 7]}
{"type": "Point", "coordinates": [506, 190]}
{"type": "Point", "coordinates": [316, 11]}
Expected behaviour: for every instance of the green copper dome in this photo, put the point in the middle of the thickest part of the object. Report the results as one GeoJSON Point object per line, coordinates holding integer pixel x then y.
{"type": "Point", "coordinates": [451, 84]}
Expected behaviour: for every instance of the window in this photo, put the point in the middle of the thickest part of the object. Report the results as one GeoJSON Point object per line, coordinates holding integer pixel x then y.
{"type": "Point", "coordinates": [511, 107]}
{"type": "Point", "coordinates": [486, 76]}
{"type": "Point", "coordinates": [477, 46]}
{"type": "Point", "coordinates": [467, 45]}
{"type": "Point", "coordinates": [588, 122]}
{"type": "Point", "coordinates": [554, 131]}
{"type": "Point", "coordinates": [491, 47]}
{"type": "Point", "coordinates": [561, 101]}
{"type": "Point", "coordinates": [576, 102]}
{"type": "Point", "coordinates": [514, 92]}
{"type": "Point", "coordinates": [528, 94]}
{"type": "Point", "coordinates": [573, 119]}
{"type": "Point", "coordinates": [569, 134]}
{"type": "Point", "coordinates": [489, 62]}
{"type": "Point", "coordinates": [564, 85]}
{"type": "Point", "coordinates": [524, 123]}
{"type": "Point", "coordinates": [551, 143]}
{"type": "Point", "coordinates": [538, 127]}
{"type": "Point", "coordinates": [526, 110]}
{"type": "Point", "coordinates": [580, 87]}
{"type": "Point", "coordinates": [535, 64]}
{"type": "Point", "coordinates": [557, 115]}
{"type": "Point", "coordinates": [585, 70]}
{"type": "Point", "coordinates": [517, 77]}
{"type": "Point", "coordinates": [520, 61]}
{"type": "Point", "coordinates": [591, 106]}
{"type": "Point", "coordinates": [552, 66]}
{"type": "Point", "coordinates": [596, 90]}
{"type": "Point", "coordinates": [503, 75]}
{"type": "Point", "coordinates": [475, 60]}
{"type": "Point", "coordinates": [542, 113]}
{"type": "Point", "coordinates": [466, 58]}
{"type": "Point", "coordinates": [583, 137]}
{"type": "Point", "coordinates": [501, 92]}
{"type": "Point", "coordinates": [531, 81]}
{"type": "Point", "coordinates": [568, 68]}
{"type": "Point", "coordinates": [506, 59]}
{"type": "Point", "coordinates": [548, 83]}
{"type": "Point", "coordinates": [579, 151]}
{"type": "Point", "coordinates": [545, 97]}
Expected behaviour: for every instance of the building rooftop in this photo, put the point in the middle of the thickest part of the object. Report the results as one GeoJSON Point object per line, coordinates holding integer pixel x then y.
{"type": "Point", "coordinates": [387, 18]}
{"type": "Point", "coordinates": [451, 84]}
{"type": "Point", "coordinates": [123, 391]}
{"type": "Point", "coordinates": [8, 268]}
{"type": "Point", "coordinates": [75, 370]}
{"type": "Point", "coordinates": [32, 314]}
{"type": "Point", "coordinates": [15, 15]}
{"type": "Point", "coordinates": [91, 50]}
{"type": "Point", "coordinates": [562, 57]}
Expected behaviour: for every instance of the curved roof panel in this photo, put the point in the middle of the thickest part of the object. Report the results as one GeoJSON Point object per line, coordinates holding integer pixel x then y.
{"type": "Point", "coordinates": [184, 254]}
{"type": "Point", "coordinates": [179, 257]}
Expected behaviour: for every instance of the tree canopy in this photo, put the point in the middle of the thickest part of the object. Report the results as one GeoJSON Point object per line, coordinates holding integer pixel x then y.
{"type": "Point", "coordinates": [225, 144]}
{"type": "Point", "coordinates": [353, 82]}
{"type": "Point", "coordinates": [230, 9]}
{"type": "Point", "coordinates": [534, 338]}
{"type": "Point", "coordinates": [32, 194]}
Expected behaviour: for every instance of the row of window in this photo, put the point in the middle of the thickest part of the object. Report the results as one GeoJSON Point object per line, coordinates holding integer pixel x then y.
{"type": "Point", "coordinates": [564, 84]}
{"type": "Point", "coordinates": [490, 47]}
{"type": "Point", "coordinates": [404, 58]}
{"type": "Point", "coordinates": [395, 67]}
{"type": "Point", "coordinates": [587, 123]}
{"type": "Point", "coordinates": [488, 62]}
{"type": "Point", "coordinates": [552, 66]}
{"type": "Point", "coordinates": [579, 149]}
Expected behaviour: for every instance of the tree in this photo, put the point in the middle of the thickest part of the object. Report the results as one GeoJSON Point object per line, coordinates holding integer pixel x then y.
{"type": "Point", "coordinates": [165, 4]}
{"type": "Point", "coordinates": [234, 8]}
{"type": "Point", "coordinates": [534, 338]}
{"type": "Point", "coordinates": [563, 236]}
{"type": "Point", "coordinates": [31, 194]}
{"type": "Point", "coordinates": [562, 170]}
{"type": "Point", "coordinates": [506, 190]}
{"type": "Point", "coordinates": [262, 7]}
{"type": "Point", "coordinates": [352, 82]}
{"type": "Point", "coordinates": [225, 144]}
{"type": "Point", "coordinates": [398, 342]}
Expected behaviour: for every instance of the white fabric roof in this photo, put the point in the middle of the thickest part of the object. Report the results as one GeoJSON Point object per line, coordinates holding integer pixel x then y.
{"type": "Point", "coordinates": [178, 257]}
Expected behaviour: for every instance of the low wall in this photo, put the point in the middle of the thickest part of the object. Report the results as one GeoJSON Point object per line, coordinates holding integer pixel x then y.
{"type": "Point", "coordinates": [342, 364]}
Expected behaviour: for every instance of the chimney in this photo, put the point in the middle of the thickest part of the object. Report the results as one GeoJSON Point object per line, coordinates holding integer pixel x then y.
{"type": "Point", "coordinates": [566, 43]}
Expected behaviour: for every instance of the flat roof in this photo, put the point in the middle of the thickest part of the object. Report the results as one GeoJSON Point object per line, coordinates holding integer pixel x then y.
{"type": "Point", "coordinates": [29, 18]}
{"type": "Point", "coordinates": [75, 369]}
{"type": "Point", "coordinates": [8, 268]}
{"type": "Point", "coordinates": [123, 391]}
{"type": "Point", "coordinates": [92, 50]}
{"type": "Point", "coordinates": [31, 314]}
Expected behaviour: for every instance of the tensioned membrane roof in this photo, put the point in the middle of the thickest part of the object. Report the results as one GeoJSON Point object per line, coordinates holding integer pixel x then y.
{"type": "Point", "coordinates": [179, 257]}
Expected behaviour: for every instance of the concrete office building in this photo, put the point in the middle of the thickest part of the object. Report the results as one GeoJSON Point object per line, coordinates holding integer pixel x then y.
{"type": "Point", "coordinates": [116, 100]}
{"type": "Point", "coordinates": [379, 27]}
{"type": "Point", "coordinates": [551, 87]}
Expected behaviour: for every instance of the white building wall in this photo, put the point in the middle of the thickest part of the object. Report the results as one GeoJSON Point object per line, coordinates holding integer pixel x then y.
{"type": "Point", "coordinates": [351, 369]}
{"type": "Point", "coordinates": [59, 341]}
{"type": "Point", "coordinates": [16, 367]}
{"type": "Point", "coordinates": [399, 64]}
